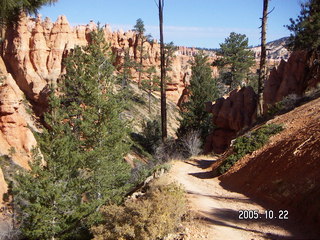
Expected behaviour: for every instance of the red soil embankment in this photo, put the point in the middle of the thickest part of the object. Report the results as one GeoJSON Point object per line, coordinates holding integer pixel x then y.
{"type": "Point", "coordinates": [285, 173]}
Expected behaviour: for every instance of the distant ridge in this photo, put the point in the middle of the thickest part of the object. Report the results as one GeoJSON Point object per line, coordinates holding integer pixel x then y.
{"type": "Point", "coordinates": [275, 49]}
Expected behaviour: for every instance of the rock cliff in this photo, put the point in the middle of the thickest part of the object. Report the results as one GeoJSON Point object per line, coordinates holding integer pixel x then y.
{"type": "Point", "coordinates": [236, 112]}
{"type": "Point", "coordinates": [35, 49]}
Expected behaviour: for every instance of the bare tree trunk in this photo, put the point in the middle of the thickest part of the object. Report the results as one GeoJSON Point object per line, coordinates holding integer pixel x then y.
{"type": "Point", "coordinates": [163, 76]}
{"type": "Point", "coordinates": [262, 72]}
{"type": "Point", "coordinates": [141, 59]}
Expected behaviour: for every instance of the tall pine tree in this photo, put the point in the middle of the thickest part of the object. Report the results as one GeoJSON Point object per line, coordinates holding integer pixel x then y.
{"type": "Point", "coordinates": [235, 60]}
{"type": "Point", "coordinates": [202, 89]}
{"type": "Point", "coordinates": [83, 149]}
{"type": "Point", "coordinates": [306, 28]}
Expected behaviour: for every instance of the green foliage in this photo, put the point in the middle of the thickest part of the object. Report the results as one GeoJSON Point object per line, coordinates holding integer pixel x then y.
{"type": "Point", "coordinates": [306, 28]}
{"type": "Point", "coordinates": [151, 130]}
{"type": "Point", "coordinates": [150, 136]}
{"type": "Point", "coordinates": [83, 150]}
{"type": "Point", "coordinates": [235, 61]}
{"type": "Point", "coordinates": [124, 75]}
{"type": "Point", "coordinates": [10, 9]}
{"type": "Point", "coordinates": [169, 50]}
{"type": "Point", "coordinates": [286, 104]}
{"type": "Point", "coordinates": [139, 27]}
{"type": "Point", "coordinates": [153, 216]}
{"type": "Point", "coordinates": [202, 89]}
{"type": "Point", "coordinates": [248, 144]}
{"type": "Point", "coordinates": [151, 83]}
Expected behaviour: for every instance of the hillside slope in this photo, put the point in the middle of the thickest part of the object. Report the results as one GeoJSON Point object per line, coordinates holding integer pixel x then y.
{"type": "Point", "coordinates": [285, 173]}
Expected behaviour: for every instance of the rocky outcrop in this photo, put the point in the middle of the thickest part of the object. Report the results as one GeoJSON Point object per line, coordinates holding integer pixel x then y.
{"type": "Point", "coordinates": [230, 116]}
{"type": "Point", "coordinates": [16, 138]}
{"type": "Point", "coordinates": [35, 49]}
{"type": "Point", "coordinates": [233, 114]}
{"type": "Point", "coordinates": [295, 76]}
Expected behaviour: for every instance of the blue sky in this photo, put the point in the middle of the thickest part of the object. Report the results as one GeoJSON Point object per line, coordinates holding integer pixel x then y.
{"type": "Point", "coordinates": [198, 23]}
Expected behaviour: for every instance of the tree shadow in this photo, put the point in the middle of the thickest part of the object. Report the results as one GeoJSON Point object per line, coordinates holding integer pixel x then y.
{"type": "Point", "coordinates": [221, 198]}
{"type": "Point", "coordinates": [203, 175]}
{"type": "Point", "coordinates": [203, 164]}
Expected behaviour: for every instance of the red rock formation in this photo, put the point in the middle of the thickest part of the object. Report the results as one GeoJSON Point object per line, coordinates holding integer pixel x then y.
{"type": "Point", "coordinates": [16, 139]}
{"type": "Point", "coordinates": [236, 112]}
{"type": "Point", "coordinates": [230, 116]}
{"type": "Point", "coordinates": [34, 51]}
{"type": "Point", "coordinates": [299, 74]}
{"type": "Point", "coordinates": [14, 121]}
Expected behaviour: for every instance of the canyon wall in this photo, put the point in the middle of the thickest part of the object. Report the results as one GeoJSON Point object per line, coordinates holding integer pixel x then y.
{"type": "Point", "coordinates": [236, 112]}
{"type": "Point", "coordinates": [33, 53]}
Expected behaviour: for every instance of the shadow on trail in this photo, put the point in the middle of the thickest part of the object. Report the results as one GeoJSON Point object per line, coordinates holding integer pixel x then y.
{"type": "Point", "coordinates": [202, 175]}
{"type": "Point", "coordinates": [203, 164]}
{"type": "Point", "coordinates": [222, 198]}
{"type": "Point", "coordinates": [230, 218]}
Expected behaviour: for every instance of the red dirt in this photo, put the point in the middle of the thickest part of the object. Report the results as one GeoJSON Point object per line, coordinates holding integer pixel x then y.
{"type": "Point", "coordinates": [285, 173]}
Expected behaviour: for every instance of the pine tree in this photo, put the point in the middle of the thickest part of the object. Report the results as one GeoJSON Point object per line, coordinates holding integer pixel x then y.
{"type": "Point", "coordinates": [11, 9]}
{"type": "Point", "coordinates": [169, 50]}
{"type": "Point", "coordinates": [142, 38]}
{"type": "Point", "coordinates": [306, 28]}
{"type": "Point", "coordinates": [125, 69]}
{"type": "Point", "coordinates": [235, 60]}
{"type": "Point", "coordinates": [151, 83]}
{"type": "Point", "coordinates": [83, 150]}
{"type": "Point", "coordinates": [202, 89]}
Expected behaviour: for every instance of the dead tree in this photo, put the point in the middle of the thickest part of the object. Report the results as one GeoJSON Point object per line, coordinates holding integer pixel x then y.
{"type": "Point", "coordinates": [262, 72]}
{"type": "Point", "coordinates": [163, 84]}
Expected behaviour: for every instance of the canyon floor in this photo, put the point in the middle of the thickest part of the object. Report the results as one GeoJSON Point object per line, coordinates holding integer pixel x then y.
{"type": "Point", "coordinates": [218, 208]}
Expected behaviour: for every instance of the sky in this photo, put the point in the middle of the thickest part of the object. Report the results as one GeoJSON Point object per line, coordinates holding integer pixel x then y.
{"type": "Point", "coordinates": [191, 23]}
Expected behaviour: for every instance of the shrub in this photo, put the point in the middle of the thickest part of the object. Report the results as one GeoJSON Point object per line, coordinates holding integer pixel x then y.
{"type": "Point", "coordinates": [192, 142]}
{"type": "Point", "coordinates": [150, 136]}
{"type": "Point", "coordinates": [151, 130]}
{"type": "Point", "coordinates": [287, 103]}
{"type": "Point", "coordinates": [171, 149]}
{"type": "Point", "coordinates": [248, 144]}
{"type": "Point", "coordinates": [153, 216]}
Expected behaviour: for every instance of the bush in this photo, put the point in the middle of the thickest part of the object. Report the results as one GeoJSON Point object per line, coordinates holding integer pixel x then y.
{"type": "Point", "coordinates": [150, 136]}
{"type": "Point", "coordinates": [153, 216]}
{"type": "Point", "coordinates": [286, 104]}
{"type": "Point", "coordinates": [171, 149]}
{"type": "Point", "coordinates": [192, 142]}
{"type": "Point", "coordinates": [248, 144]}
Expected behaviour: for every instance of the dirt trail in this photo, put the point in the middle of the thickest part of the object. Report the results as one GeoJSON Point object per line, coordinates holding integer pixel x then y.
{"type": "Point", "coordinates": [219, 208]}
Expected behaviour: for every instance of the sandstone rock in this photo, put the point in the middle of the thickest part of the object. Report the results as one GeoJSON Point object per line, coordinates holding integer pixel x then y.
{"type": "Point", "coordinates": [230, 116]}
{"type": "Point", "coordinates": [34, 52]}
{"type": "Point", "coordinates": [287, 79]}
{"type": "Point", "coordinates": [14, 131]}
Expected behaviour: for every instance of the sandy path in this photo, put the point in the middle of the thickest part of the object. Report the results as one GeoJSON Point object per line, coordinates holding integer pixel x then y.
{"type": "Point", "coordinates": [220, 208]}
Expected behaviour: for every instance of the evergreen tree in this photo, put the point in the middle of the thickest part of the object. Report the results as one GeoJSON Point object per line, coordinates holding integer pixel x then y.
{"type": "Point", "coordinates": [306, 28]}
{"type": "Point", "coordinates": [140, 30]}
{"type": "Point", "coordinates": [169, 50]}
{"type": "Point", "coordinates": [125, 69]}
{"type": "Point", "coordinates": [151, 83]}
{"type": "Point", "coordinates": [83, 150]}
{"type": "Point", "coordinates": [10, 10]}
{"type": "Point", "coordinates": [235, 60]}
{"type": "Point", "coordinates": [202, 89]}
